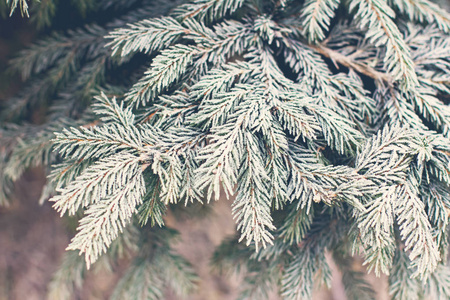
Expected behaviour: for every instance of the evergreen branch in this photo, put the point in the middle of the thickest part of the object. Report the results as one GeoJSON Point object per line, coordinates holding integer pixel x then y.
{"type": "Point", "coordinates": [107, 217]}
{"type": "Point", "coordinates": [298, 278]}
{"type": "Point", "coordinates": [98, 181]}
{"type": "Point", "coordinates": [221, 156]}
{"type": "Point", "coordinates": [64, 56]}
{"type": "Point", "coordinates": [302, 185]}
{"type": "Point", "coordinates": [397, 109]}
{"type": "Point", "coordinates": [270, 74]}
{"type": "Point", "coordinates": [234, 101]}
{"type": "Point", "coordinates": [309, 66]}
{"type": "Point", "coordinates": [31, 152]}
{"type": "Point", "coordinates": [384, 160]}
{"type": "Point", "coordinates": [339, 133]}
{"type": "Point", "coordinates": [227, 39]}
{"type": "Point", "coordinates": [189, 191]}
{"type": "Point", "coordinates": [95, 142]}
{"type": "Point", "coordinates": [81, 43]}
{"type": "Point", "coordinates": [437, 285]}
{"type": "Point", "coordinates": [333, 92]}
{"type": "Point", "coordinates": [418, 37]}
{"type": "Point", "coordinates": [342, 138]}
{"type": "Point", "coordinates": [389, 142]}
{"type": "Point", "coordinates": [220, 80]}
{"type": "Point", "coordinates": [166, 68]}
{"type": "Point", "coordinates": [437, 81]}
{"type": "Point", "coordinates": [60, 49]}
{"type": "Point", "coordinates": [23, 4]}
{"type": "Point", "coordinates": [437, 162]}
{"type": "Point", "coordinates": [5, 183]}
{"type": "Point", "coordinates": [355, 101]}
{"type": "Point", "coordinates": [435, 198]}
{"type": "Point", "coordinates": [68, 278]}
{"type": "Point", "coordinates": [172, 111]}
{"type": "Point", "coordinates": [39, 91]}
{"type": "Point", "coordinates": [217, 110]}
{"type": "Point", "coordinates": [283, 97]}
{"type": "Point", "coordinates": [296, 225]}
{"type": "Point", "coordinates": [432, 109]}
{"type": "Point", "coordinates": [33, 147]}
{"type": "Point", "coordinates": [355, 285]}
{"type": "Point", "coordinates": [402, 285]}
{"type": "Point", "coordinates": [319, 183]}
{"type": "Point", "coordinates": [75, 96]}
{"type": "Point", "coordinates": [317, 15]}
{"type": "Point", "coordinates": [293, 117]}
{"type": "Point", "coordinates": [63, 173]}
{"type": "Point", "coordinates": [251, 208]}
{"type": "Point", "coordinates": [376, 16]}
{"type": "Point", "coordinates": [424, 11]}
{"type": "Point", "coordinates": [260, 280]}
{"type": "Point", "coordinates": [152, 208]}
{"type": "Point", "coordinates": [438, 167]}
{"type": "Point", "coordinates": [220, 159]}
{"type": "Point", "coordinates": [176, 273]}
{"type": "Point", "coordinates": [268, 30]}
{"type": "Point", "coordinates": [141, 281]}
{"type": "Point", "coordinates": [168, 168]}
{"type": "Point", "coordinates": [112, 112]}
{"type": "Point", "coordinates": [276, 144]}
{"type": "Point", "coordinates": [415, 230]}
{"type": "Point", "coordinates": [155, 269]}
{"type": "Point", "coordinates": [206, 10]}
{"type": "Point", "coordinates": [42, 14]}
{"type": "Point", "coordinates": [305, 189]}
{"type": "Point", "coordinates": [58, 59]}
{"type": "Point", "coordinates": [146, 36]}
{"type": "Point", "coordinates": [377, 232]}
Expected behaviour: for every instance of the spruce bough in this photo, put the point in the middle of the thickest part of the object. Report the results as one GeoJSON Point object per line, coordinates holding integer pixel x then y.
{"type": "Point", "coordinates": [324, 122]}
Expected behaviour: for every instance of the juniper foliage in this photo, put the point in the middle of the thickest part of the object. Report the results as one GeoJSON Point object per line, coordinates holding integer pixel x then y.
{"type": "Point", "coordinates": [326, 123]}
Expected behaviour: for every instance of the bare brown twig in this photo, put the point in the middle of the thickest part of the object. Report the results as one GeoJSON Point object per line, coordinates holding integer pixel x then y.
{"type": "Point", "coordinates": [347, 62]}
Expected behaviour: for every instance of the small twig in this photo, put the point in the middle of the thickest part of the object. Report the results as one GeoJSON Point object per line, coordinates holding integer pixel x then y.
{"type": "Point", "coordinates": [347, 62]}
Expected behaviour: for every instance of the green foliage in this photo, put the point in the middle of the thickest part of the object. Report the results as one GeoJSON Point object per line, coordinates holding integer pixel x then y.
{"type": "Point", "coordinates": [155, 269]}
{"type": "Point", "coordinates": [326, 124]}
{"type": "Point", "coordinates": [68, 278]}
{"type": "Point", "coordinates": [355, 285]}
